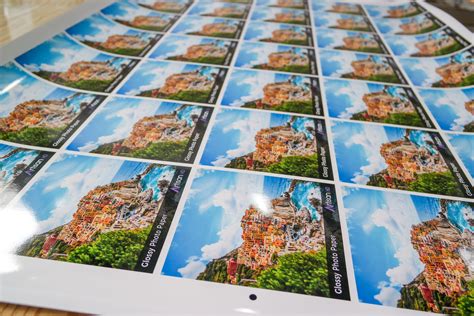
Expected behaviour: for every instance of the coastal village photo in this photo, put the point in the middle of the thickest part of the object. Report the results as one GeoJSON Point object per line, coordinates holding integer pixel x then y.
{"type": "Point", "coordinates": [338, 7]}
{"type": "Point", "coordinates": [397, 158]}
{"type": "Point", "coordinates": [373, 102]}
{"type": "Point", "coordinates": [221, 10]}
{"type": "Point", "coordinates": [63, 61]}
{"type": "Point", "coordinates": [210, 27]}
{"type": "Point", "coordinates": [347, 22]}
{"type": "Point", "coordinates": [352, 41]}
{"type": "Point", "coordinates": [195, 49]}
{"type": "Point", "coordinates": [420, 253]}
{"type": "Point", "coordinates": [279, 33]}
{"type": "Point", "coordinates": [394, 11]}
{"type": "Point", "coordinates": [98, 211]}
{"type": "Point", "coordinates": [173, 6]}
{"type": "Point", "coordinates": [273, 91]}
{"type": "Point", "coordinates": [282, 15]}
{"type": "Point", "coordinates": [145, 129]}
{"type": "Point", "coordinates": [420, 24]}
{"type": "Point", "coordinates": [175, 81]}
{"type": "Point", "coordinates": [132, 15]}
{"type": "Point", "coordinates": [259, 231]}
{"type": "Point", "coordinates": [268, 142]}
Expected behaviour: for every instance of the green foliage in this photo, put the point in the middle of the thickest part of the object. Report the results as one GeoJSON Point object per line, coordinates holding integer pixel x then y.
{"type": "Point", "coordinates": [304, 273]}
{"type": "Point", "coordinates": [217, 34]}
{"type": "Point", "coordinates": [37, 136]}
{"type": "Point", "coordinates": [383, 78]}
{"type": "Point", "coordinates": [296, 165]}
{"type": "Point", "coordinates": [205, 60]}
{"type": "Point", "coordinates": [450, 49]}
{"type": "Point", "coordinates": [105, 149]}
{"type": "Point", "coordinates": [469, 127]}
{"type": "Point", "coordinates": [237, 163]}
{"type": "Point", "coordinates": [377, 180]}
{"type": "Point", "coordinates": [216, 271]}
{"type": "Point", "coordinates": [201, 96]}
{"type": "Point", "coordinates": [295, 107]}
{"type": "Point", "coordinates": [117, 249]}
{"type": "Point", "coordinates": [170, 151]}
{"type": "Point", "coordinates": [125, 51]}
{"type": "Point", "coordinates": [436, 182]}
{"type": "Point", "coordinates": [91, 85]}
{"type": "Point", "coordinates": [288, 68]}
{"type": "Point", "coordinates": [288, 22]}
{"type": "Point", "coordinates": [290, 42]}
{"type": "Point", "coordinates": [465, 302]}
{"type": "Point", "coordinates": [410, 119]}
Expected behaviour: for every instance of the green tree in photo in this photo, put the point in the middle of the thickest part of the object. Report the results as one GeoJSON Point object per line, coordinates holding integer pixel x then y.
{"type": "Point", "coordinates": [465, 303]}
{"type": "Point", "coordinates": [296, 165]}
{"type": "Point", "coordinates": [436, 182]}
{"type": "Point", "coordinates": [304, 273]}
{"type": "Point", "coordinates": [117, 249]}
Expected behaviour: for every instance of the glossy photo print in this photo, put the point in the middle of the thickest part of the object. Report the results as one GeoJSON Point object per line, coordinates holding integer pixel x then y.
{"type": "Point", "coordinates": [102, 212]}
{"type": "Point", "coordinates": [374, 102]}
{"type": "Point", "coordinates": [398, 158]}
{"type": "Point", "coordinates": [33, 112]}
{"type": "Point", "coordinates": [172, 6]}
{"type": "Point", "coordinates": [220, 10]}
{"type": "Point", "coordinates": [65, 62]}
{"type": "Point", "coordinates": [18, 166]}
{"type": "Point", "coordinates": [273, 91]}
{"type": "Point", "coordinates": [175, 81]}
{"type": "Point", "coordinates": [195, 49]}
{"type": "Point", "coordinates": [210, 27]}
{"type": "Point", "coordinates": [320, 7]}
{"type": "Point", "coordinates": [352, 41]}
{"type": "Point", "coordinates": [444, 72]}
{"type": "Point", "coordinates": [132, 15]}
{"type": "Point", "coordinates": [349, 65]}
{"type": "Point", "coordinates": [439, 43]}
{"type": "Point", "coordinates": [146, 129]}
{"type": "Point", "coordinates": [349, 22]}
{"type": "Point", "coordinates": [420, 24]}
{"type": "Point", "coordinates": [279, 33]}
{"type": "Point", "coordinates": [261, 232]}
{"type": "Point", "coordinates": [290, 4]}
{"type": "Point", "coordinates": [453, 109]}
{"type": "Point", "coordinates": [269, 142]}
{"type": "Point", "coordinates": [281, 15]}
{"type": "Point", "coordinates": [463, 145]}
{"type": "Point", "coordinates": [394, 11]}
{"type": "Point", "coordinates": [100, 33]}
{"type": "Point", "coordinates": [274, 57]}
{"type": "Point", "coordinates": [415, 257]}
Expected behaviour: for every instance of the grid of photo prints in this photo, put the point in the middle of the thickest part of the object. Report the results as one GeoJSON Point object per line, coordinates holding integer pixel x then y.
{"type": "Point", "coordinates": [313, 147]}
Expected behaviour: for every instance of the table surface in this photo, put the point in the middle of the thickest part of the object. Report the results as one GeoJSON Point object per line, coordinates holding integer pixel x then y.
{"type": "Point", "coordinates": [18, 17]}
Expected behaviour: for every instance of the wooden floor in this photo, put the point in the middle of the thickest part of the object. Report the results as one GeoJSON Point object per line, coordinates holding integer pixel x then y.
{"type": "Point", "coordinates": [17, 310]}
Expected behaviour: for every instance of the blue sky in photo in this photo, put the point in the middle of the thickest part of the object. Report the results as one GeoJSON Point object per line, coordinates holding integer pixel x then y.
{"type": "Point", "coordinates": [192, 23]}
{"type": "Point", "coordinates": [60, 52]}
{"type": "Point", "coordinates": [338, 63]}
{"type": "Point", "coordinates": [392, 26]}
{"type": "Point", "coordinates": [448, 107]}
{"type": "Point", "coordinates": [247, 85]}
{"type": "Point", "coordinates": [97, 28]}
{"type": "Point", "coordinates": [253, 54]}
{"type": "Point", "coordinates": [114, 121]}
{"type": "Point", "coordinates": [153, 74]}
{"type": "Point", "coordinates": [464, 146]}
{"type": "Point", "coordinates": [324, 6]}
{"type": "Point", "coordinates": [330, 19]}
{"type": "Point", "coordinates": [175, 45]}
{"type": "Point", "coordinates": [9, 162]}
{"type": "Point", "coordinates": [209, 227]}
{"type": "Point", "coordinates": [126, 10]}
{"type": "Point", "coordinates": [265, 13]}
{"type": "Point", "coordinates": [208, 8]}
{"type": "Point", "coordinates": [404, 45]}
{"type": "Point", "coordinates": [329, 38]}
{"type": "Point", "coordinates": [379, 11]}
{"type": "Point", "coordinates": [262, 30]}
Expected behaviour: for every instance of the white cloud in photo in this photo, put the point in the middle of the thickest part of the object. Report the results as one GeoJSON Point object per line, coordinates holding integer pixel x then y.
{"type": "Point", "coordinates": [180, 45]}
{"type": "Point", "coordinates": [128, 116]}
{"type": "Point", "coordinates": [355, 92]}
{"type": "Point", "coordinates": [370, 138]}
{"type": "Point", "coordinates": [248, 128]}
{"type": "Point", "coordinates": [398, 222]}
{"type": "Point", "coordinates": [426, 66]}
{"type": "Point", "coordinates": [260, 54]}
{"type": "Point", "coordinates": [159, 75]}
{"type": "Point", "coordinates": [335, 37]}
{"type": "Point", "coordinates": [103, 29]}
{"type": "Point", "coordinates": [254, 82]}
{"type": "Point", "coordinates": [75, 186]}
{"type": "Point", "coordinates": [342, 59]}
{"type": "Point", "coordinates": [456, 100]}
{"type": "Point", "coordinates": [233, 202]}
{"type": "Point", "coordinates": [407, 42]}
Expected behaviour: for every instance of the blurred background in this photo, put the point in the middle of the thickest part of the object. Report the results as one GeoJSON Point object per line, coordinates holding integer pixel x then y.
{"type": "Point", "coordinates": [462, 10]}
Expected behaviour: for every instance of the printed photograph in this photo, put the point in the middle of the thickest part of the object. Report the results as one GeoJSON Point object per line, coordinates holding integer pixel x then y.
{"type": "Point", "coordinates": [349, 22]}
{"type": "Point", "coordinates": [397, 158]}
{"type": "Point", "coordinates": [17, 166]}
{"type": "Point", "coordinates": [349, 40]}
{"type": "Point", "coordinates": [394, 11]}
{"type": "Point", "coordinates": [371, 102]}
{"type": "Point", "coordinates": [261, 232]}
{"type": "Point", "coordinates": [444, 72]}
{"type": "Point", "coordinates": [65, 62]}
{"type": "Point", "coordinates": [220, 10]}
{"type": "Point", "coordinates": [453, 109]}
{"type": "Point", "coordinates": [443, 42]}
{"type": "Point", "coordinates": [281, 15]}
{"type": "Point", "coordinates": [274, 57]}
{"type": "Point", "coordinates": [207, 26]}
{"type": "Point", "coordinates": [269, 142]}
{"type": "Point", "coordinates": [102, 212]}
{"type": "Point", "coordinates": [130, 14]}
{"type": "Point", "coordinates": [290, 4]}
{"type": "Point", "coordinates": [175, 81]}
{"type": "Point", "coordinates": [420, 24]}
{"type": "Point", "coordinates": [279, 33]}
{"type": "Point", "coordinates": [146, 129]}
{"type": "Point", "coordinates": [349, 65]}
{"type": "Point", "coordinates": [173, 6]}
{"type": "Point", "coordinates": [101, 33]}
{"type": "Point", "coordinates": [195, 49]}
{"type": "Point", "coordinates": [415, 257]}
{"type": "Point", "coordinates": [273, 91]}
{"type": "Point", "coordinates": [337, 7]}
{"type": "Point", "coordinates": [463, 145]}
{"type": "Point", "coordinates": [36, 113]}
